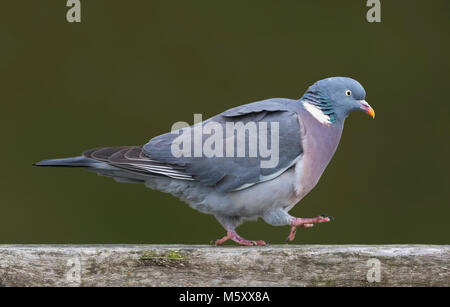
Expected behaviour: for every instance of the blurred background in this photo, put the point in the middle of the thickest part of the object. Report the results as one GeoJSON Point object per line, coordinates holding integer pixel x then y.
{"type": "Point", "coordinates": [131, 69]}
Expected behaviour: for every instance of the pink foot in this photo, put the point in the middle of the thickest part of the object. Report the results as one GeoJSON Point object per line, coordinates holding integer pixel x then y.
{"type": "Point", "coordinates": [232, 235]}
{"type": "Point", "coordinates": [306, 223]}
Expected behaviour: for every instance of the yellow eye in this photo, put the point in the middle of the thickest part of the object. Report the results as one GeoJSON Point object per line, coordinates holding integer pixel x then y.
{"type": "Point", "coordinates": [348, 92]}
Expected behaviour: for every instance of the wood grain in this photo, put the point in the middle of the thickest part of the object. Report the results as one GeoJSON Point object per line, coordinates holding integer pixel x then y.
{"type": "Point", "coordinates": [197, 265]}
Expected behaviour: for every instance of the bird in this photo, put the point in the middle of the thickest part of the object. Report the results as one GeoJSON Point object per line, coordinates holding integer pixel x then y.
{"type": "Point", "coordinates": [237, 181]}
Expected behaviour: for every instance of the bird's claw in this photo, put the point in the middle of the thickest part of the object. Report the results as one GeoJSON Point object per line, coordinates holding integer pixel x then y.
{"type": "Point", "coordinates": [232, 235]}
{"type": "Point", "coordinates": [328, 216]}
{"type": "Point", "coordinates": [306, 223]}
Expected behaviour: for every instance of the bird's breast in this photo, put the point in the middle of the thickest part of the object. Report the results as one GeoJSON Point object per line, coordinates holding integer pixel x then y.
{"type": "Point", "coordinates": [319, 145]}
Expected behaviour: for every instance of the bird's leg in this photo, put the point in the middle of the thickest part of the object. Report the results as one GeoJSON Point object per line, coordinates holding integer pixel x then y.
{"type": "Point", "coordinates": [230, 223]}
{"type": "Point", "coordinates": [306, 223]}
{"type": "Point", "coordinates": [232, 235]}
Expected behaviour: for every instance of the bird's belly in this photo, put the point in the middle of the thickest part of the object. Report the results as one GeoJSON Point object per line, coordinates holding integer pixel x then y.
{"type": "Point", "coordinates": [248, 203]}
{"type": "Point", "coordinates": [256, 200]}
{"type": "Point", "coordinates": [280, 192]}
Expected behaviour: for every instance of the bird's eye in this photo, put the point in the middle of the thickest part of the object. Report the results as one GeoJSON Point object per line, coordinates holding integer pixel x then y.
{"type": "Point", "coordinates": [348, 92]}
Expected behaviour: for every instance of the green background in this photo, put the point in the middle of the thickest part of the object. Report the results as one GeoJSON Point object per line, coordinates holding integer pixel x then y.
{"type": "Point", "coordinates": [131, 69]}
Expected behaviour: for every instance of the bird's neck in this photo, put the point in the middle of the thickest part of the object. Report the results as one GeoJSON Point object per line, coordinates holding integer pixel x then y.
{"type": "Point", "coordinates": [323, 136]}
{"type": "Point", "coordinates": [320, 107]}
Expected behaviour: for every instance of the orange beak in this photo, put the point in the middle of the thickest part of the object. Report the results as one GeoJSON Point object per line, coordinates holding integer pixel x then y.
{"type": "Point", "coordinates": [367, 108]}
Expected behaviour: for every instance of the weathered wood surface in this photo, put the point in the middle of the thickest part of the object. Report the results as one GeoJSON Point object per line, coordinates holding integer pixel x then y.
{"type": "Point", "coordinates": [183, 265]}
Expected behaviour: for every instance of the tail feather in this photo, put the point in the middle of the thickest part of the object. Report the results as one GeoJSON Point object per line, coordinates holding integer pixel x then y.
{"type": "Point", "coordinates": [101, 168]}
{"type": "Point", "coordinates": [69, 162]}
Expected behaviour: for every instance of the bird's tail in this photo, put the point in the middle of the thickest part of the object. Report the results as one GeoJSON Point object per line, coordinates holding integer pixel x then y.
{"type": "Point", "coordinates": [101, 168]}
{"type": "Point", "coordinates": [70, 162]}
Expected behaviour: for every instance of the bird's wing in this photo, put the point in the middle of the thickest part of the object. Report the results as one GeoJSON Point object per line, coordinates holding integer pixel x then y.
{"type": "Point", "coordinates": [232, 173]}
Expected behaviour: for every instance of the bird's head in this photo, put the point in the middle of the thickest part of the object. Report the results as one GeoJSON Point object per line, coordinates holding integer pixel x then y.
{"type": "Point", "coordinates": [333, 99]}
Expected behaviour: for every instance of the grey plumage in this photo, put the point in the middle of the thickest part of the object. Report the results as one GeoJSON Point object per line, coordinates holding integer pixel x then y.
{"type": "Point", "coordinates": [237, 188]}
{"type": "Point", "coordinates": [229, 173]}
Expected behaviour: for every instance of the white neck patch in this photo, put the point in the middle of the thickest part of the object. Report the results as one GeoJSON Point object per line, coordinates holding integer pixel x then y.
{"type": "Point", "coordinates": [317, 113]}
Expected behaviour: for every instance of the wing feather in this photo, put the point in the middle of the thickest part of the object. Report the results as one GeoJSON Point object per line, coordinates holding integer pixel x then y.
{"type": "Point", "coordinates": [130, 158]}
{"type": "Point", "coordinates": [235, 173]}
{"type": "Point", "coordinates": [225, 173]}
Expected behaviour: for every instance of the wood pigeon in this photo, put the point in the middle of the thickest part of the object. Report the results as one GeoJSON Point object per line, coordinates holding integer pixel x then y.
{"type": "Point", "coordinates": [229, 174]}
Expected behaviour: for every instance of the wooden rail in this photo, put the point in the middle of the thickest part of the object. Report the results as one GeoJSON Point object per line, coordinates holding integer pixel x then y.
{"type": "Point", "coordinates": [185, 265]}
